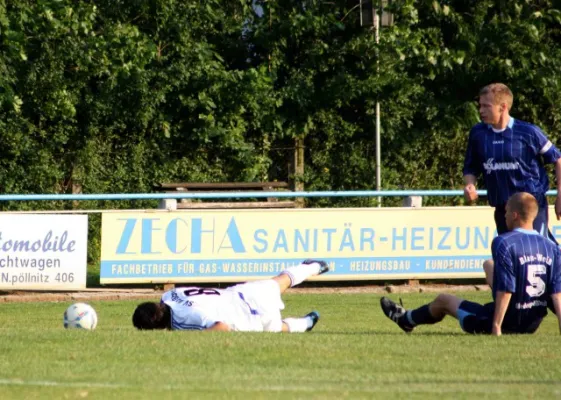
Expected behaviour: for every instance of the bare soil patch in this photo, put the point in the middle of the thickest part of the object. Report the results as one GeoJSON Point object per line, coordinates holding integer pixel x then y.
{"type": "Point", "coordinates": [86, 295]}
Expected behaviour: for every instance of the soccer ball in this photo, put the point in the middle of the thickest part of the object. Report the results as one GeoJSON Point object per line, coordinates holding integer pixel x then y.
{"type": "Point", "coordinates": [80, 315]}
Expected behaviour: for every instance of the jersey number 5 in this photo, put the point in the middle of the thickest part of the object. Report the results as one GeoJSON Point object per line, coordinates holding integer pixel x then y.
{"type": "Point", "coordinates": [537, 285]}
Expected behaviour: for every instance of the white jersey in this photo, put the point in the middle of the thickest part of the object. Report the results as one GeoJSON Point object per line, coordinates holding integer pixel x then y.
{"type": "Point", "coordinates": [252, 306]}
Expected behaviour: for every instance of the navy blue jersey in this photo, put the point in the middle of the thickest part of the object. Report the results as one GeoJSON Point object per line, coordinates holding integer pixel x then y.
{"type": "Point", "coordinates": [528, 266]}
{"type": "Point", "coordinates": [511, 161]}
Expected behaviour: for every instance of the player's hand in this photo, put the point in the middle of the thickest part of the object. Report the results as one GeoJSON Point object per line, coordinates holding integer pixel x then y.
{"type": "Point", "coordinates": [470, 193]}
{"type": "Point", "coordinates": [558, 207]}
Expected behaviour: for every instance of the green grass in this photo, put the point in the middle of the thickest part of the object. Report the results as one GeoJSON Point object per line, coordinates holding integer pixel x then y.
{"type": "Point", "coordinates": [354, 352]}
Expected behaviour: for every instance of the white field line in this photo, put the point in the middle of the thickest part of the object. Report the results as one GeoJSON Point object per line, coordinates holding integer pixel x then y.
{"type": "Point", "coordinates": [428, 387]}
{"type": "Point", "coordinates": [21, 382]}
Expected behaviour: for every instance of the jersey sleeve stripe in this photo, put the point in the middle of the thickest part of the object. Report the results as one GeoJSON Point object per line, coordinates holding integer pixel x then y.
{"type": "Point", "coordinates": [546, 147]}
{"type": "Point", "coordinates": [188, 327]}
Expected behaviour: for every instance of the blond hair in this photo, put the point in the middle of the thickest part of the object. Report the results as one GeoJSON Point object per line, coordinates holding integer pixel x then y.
{"type": "Point", "coordinates": [500, 92]}
{"type": "Point", "coordinates": [525, 205]}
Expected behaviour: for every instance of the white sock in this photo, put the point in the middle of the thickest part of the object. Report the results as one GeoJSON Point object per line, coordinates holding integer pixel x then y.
{"type": "Point", "coordinates": [298, 324]}
{"type": "Point", "coordinates": [301, 272]}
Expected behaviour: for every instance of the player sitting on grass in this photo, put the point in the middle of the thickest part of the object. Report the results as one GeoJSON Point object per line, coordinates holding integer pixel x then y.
{"type": "Point", "coordinates": [527, 272]}
{"type": "Point", "coordinates": [251, 307]}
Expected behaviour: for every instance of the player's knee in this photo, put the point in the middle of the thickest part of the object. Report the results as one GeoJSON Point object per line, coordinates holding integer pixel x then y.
{"type": "Point", "coordinates": [442, 299]}
{"type": "Point", "coordinates": [488, 266]}
{"type": "Point", "coordinates": [438, 307]}
{"type": "Point", "coordinates": [444, 304]}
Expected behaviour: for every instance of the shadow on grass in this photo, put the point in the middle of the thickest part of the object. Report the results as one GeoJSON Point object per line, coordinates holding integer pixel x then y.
{"type": "Point", "coordinates": [482, 382]}
{"type": "Point", "coordinates": [386, 333]}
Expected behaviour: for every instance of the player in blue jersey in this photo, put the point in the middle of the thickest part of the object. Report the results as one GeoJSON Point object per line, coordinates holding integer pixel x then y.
{"type": "Point", "coordinates": [248, 307]}
{"type": "Point", "coordinates": [527, 274]}
{"type": "Point", "coordinates": [510, 154]}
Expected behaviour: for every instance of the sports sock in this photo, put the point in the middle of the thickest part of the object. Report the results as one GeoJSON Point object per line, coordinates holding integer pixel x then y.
{"type": "Point", "coordinates": [298, 324]}
{"type": "Point", "coordinates": [301, 272]}
{"type": "Point", "coordinates": [420, 316]}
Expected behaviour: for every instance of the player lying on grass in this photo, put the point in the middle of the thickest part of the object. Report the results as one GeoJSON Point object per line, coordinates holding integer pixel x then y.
{"type": "Point", "coordinates": [251, 307]}
{"type": "Point", "coordinates": [527, 273]}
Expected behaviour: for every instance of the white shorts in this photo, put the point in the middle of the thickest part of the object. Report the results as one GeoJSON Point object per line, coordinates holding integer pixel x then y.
{"type": "Point", "coordinates": [264, 297]}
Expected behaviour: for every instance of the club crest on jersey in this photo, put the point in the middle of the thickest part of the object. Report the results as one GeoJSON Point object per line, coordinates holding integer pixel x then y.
{"type": "Point", "coordinates": [490, 165]}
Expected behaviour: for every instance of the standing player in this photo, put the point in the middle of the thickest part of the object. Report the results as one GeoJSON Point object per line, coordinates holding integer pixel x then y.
{"type": "Point", "coordinates": [511, 155]}
{"type": "Point", "coordinates": [251, 307]}
{"type": "Point", "coordinates": [527, 273]}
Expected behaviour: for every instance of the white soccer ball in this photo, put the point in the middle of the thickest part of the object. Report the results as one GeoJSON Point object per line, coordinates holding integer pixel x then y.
{"type": "Point", "coordinates": [81, 316]}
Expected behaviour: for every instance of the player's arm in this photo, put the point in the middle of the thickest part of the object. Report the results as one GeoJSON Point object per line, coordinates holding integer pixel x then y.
{"type": "Point", "coordinates": [558, 184]}
{"type": "Point", "coordinates": [470, 171]}
{"type": "Point", "coordinates": [197, 318]}
{"type": "Point", "coordinates": [504, 281]}
{"type": "Point", "coordinates": [556, 297]}
{"type": "Point", "coordinates": [470, 191]}
{"type": "Point", "coordinates": [550, 155]}
{"type": "Point", "coordinates": [501, 304]}
{"type": "Point", "coordinates": [470, 179]}
{"type": "Point", "coordinates": [555, 285]}
{"type": "Point", "coordinates": [219, 326]}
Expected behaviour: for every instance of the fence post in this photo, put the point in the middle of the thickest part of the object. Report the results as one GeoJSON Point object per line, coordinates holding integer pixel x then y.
{"type": "Point", "coordinates": [168, 204]}
{"type": "Point", "coordinates": [413, 201]}
{"type": "Point", "coordinates": [298, 171]}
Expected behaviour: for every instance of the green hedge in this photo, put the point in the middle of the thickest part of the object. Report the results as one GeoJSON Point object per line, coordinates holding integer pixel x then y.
{"type": "Point", "coordinates": [114, 95]}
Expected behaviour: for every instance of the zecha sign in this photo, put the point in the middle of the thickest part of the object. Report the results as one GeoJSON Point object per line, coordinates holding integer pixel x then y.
{"type": "Point", "coordinates": [226, 245]}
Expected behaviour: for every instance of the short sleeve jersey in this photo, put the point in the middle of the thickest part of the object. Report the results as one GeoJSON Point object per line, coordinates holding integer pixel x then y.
{"type": "Point", "coordinates": [528, 266]}
{"type": "Point", "coordinates": [511, 161]}
{"type": "Point", "coordinates": [194, 308]}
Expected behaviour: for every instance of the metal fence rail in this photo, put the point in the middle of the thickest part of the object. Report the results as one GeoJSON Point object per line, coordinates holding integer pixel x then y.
{"type": "Point", "coordinates": [238, 195]}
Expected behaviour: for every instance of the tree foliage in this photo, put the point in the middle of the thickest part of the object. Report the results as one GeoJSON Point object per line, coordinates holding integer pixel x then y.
{"type": "Point", "coordinates": [113, 95]}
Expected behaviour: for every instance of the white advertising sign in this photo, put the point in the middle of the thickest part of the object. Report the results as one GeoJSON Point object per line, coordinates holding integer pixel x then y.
{"type": "Point", "coordinates": [43, 251]}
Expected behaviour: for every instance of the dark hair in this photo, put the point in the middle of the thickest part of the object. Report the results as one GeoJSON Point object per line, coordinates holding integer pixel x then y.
{"type": "Point", "coordinates": [151, 316]}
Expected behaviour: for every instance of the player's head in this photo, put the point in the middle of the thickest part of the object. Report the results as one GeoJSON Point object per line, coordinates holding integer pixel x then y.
{"type": "Point", "coordinates": [521, 210]}
{"type": "Point", "coordinates": [494, 101]}
{"type": "Point", "coordinates": [151, 316]}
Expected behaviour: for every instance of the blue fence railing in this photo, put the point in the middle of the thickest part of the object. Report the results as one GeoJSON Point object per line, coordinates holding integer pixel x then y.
{"type": "Point", "coordinates": [238, 195]}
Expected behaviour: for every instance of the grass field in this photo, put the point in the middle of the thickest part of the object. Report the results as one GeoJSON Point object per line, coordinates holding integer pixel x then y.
{"type": "Point", "coordinates": [354, 352]}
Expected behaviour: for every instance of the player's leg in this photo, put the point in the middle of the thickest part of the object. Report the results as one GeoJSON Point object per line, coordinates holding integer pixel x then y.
{"type": "Point", "coordinates": [478, 319]}
{"type": "Point", "coordinates": [273, 322]}
{"type": "Point", "coordinates": [293, 276]}
{"type": "Point", "coordinates": [265, 302]}
{"type": "Point", "coordinates": [443, 305]}
{"type": "Point", "coordinates": [500, 219]}
{"type": "Point", "coordinates": [396, 313]}
{"type": "Point", "coordinates": [475, 318]}
{"type": "Point", "coordinates": [284, 282]}
{"type": "Point", "coordinates": [541, 221]}
{"type": "Point", "coordinates": [489, 267]}
{"type": "Point", "coordinates": [407, 320]}
{"type": "Point", "coordinates": [303, 324]}
{"type": "Point", "coordinates": [265, 297]}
